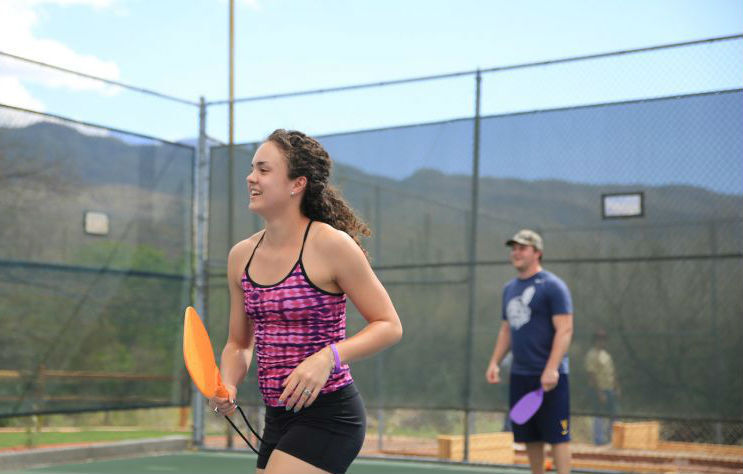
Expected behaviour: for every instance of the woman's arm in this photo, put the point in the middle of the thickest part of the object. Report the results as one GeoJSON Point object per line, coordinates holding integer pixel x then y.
{"type": "Point", "coordinates": [357, 279]}
{"type": "Point", "coordinates": [238, 351]}
{"type": "Point", "coordinates": [353, 274]}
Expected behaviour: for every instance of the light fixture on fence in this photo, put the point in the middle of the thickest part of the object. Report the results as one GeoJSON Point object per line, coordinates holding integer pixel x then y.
{"type": "Point", "coordinates": [95, 223]}
{"type": "Point", "coordinates": [622, 205]}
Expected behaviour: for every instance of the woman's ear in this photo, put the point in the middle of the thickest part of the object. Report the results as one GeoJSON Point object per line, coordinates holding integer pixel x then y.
{"type": "Point", "coordinates": [299, 185]}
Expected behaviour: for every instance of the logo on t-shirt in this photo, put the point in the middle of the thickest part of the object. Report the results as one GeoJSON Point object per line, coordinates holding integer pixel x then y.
{"type": "Point", "coordinates": [518, 311]}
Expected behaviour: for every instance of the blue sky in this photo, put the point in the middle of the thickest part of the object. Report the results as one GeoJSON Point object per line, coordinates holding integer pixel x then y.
{"type": "Point", "coordinates": [284, 45]}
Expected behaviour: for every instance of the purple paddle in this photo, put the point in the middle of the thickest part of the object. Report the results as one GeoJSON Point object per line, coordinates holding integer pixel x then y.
{"type": "Point", "coordinates": [525, 408]}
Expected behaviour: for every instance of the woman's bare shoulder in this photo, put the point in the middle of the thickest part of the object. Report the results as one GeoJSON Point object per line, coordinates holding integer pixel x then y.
{"type": "Point", "coordinates": [329, 238]}
{"type": "Point", "coordinates": [239, 251]}
{"type": "Point", "coordinates": [334, 244]}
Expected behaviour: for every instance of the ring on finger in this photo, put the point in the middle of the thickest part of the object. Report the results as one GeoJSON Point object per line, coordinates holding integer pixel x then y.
{"type": "Point", "coordinates": [307, 392]}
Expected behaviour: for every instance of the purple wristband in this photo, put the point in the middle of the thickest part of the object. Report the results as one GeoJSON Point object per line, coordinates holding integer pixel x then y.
{"type": "Point", "coordinates": [337, 358]}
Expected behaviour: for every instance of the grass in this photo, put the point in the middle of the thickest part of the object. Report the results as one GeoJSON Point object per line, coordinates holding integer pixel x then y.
{"type": "Point", "coordinates": [20, 439]}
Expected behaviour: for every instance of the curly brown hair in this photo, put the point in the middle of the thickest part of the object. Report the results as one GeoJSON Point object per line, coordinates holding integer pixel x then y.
{"type": "Point", "coordinates": [321, 200]}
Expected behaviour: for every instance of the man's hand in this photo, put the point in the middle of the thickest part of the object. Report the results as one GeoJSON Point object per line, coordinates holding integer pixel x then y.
{"type": "Point", "coordinates": [549, 379]}
{"type": "Point", "coordinates": [492, 374]}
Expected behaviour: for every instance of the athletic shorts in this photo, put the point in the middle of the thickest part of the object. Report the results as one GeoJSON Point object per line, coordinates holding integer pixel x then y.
{"type": "Point", "coordinates": [551, 423]}
{"type": "Point", "coordinates": [328, 434]}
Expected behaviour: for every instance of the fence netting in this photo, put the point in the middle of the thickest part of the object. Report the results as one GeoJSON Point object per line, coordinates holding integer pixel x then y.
{"type": "Point", "coordinates": [663, 286]}
{"type": "Point", "coordinates": [95, 262]}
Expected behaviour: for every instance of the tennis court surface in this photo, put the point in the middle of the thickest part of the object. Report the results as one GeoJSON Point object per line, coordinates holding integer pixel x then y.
{"type": "Point", "coordinates": [199, 462]}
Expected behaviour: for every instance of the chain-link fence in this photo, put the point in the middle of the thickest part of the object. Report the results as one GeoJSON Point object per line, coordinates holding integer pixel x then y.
{"type": "Point", "coordinates": [95, 254]}
{"type": "Point", "coordinates": [555, 142]}
{"type": "Point", "coordinates": [97, 241]}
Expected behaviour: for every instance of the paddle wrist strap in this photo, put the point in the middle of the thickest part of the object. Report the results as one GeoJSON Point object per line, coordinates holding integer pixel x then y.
{"type": "Point", "coordinates": [249, 426]}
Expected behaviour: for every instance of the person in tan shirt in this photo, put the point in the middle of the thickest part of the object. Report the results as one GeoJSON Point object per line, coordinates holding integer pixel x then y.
{"type": "Point", "coordinates": [602, 378]}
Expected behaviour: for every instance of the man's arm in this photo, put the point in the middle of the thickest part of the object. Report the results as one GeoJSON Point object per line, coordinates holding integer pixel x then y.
{"type": "Point", "coordinates": [502, 345]}
{"type": "Point", "coordinates": [563, 324]}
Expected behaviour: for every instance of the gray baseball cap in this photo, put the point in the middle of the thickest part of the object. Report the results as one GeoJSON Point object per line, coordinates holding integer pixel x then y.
{"type": "Point", "coordinates": [527, 237]}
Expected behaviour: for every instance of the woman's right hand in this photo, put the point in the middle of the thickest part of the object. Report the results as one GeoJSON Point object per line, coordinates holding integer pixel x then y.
{"type": "Point", "coordinates": [224, 406]}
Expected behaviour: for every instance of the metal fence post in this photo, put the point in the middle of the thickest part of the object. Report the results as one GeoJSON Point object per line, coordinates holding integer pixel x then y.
{"type": "Point", "coordinates": [468, 422]}
{"type": "Point", "coordinates": [201, 229]}
{"type": "Point", "coordinates": [379, 358]}
{"type": "Point", "coordinates": [719, 369]}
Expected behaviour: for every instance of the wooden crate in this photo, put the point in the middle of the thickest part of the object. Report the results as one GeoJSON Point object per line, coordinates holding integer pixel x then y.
{"type": "Point", "coordinates": [487, 447]}
{"type": "Point", "coordinates": [636, 435]}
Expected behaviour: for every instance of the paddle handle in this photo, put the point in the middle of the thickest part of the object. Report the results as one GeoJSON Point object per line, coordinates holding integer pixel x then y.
{"type": "Point", "coordinates": [221, 392]}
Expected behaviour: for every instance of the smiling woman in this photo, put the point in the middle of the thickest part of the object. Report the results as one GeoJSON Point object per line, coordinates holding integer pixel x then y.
{"type": "Point", "coordinates": [288, 285]}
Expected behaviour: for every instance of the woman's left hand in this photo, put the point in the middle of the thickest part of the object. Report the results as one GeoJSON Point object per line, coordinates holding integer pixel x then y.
{"type": "Point", "coordinates": [303, 385]}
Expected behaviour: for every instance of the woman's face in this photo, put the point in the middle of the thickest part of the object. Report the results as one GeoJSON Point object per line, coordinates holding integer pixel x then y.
{"type": "Point", "coordinates": [269, 186]}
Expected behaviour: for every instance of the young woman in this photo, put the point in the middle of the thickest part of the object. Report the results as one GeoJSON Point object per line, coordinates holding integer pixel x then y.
{"type": "Point", "coordinates": [288, 285]}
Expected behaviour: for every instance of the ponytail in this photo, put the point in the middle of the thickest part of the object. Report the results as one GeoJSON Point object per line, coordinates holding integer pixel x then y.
{"type": "Point", "coordinates": [321, 200]}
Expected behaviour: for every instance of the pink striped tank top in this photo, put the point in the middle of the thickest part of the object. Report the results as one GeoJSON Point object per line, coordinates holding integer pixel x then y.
{"type": "Point", "coordinates": [293, 319]}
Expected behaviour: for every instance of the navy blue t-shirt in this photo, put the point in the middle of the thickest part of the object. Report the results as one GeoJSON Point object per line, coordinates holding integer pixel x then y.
{"type": "Point", "coordinates": [528, 306]}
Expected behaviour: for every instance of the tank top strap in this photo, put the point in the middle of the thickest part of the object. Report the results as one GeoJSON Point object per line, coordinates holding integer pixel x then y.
{"type": "Point", "coordinates": [247, 266]}
{"type": "Point", "coordinates": [304, 240]}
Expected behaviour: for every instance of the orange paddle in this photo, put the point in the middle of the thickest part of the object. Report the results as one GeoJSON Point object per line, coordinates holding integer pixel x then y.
{"type": "Point", "coordinates": [199, 357]}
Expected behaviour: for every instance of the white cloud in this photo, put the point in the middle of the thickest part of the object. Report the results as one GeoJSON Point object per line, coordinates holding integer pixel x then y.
{"type": "Point", "coordinates": [13, 93]}
{"type": "Point", "coordinates": [17, 22]}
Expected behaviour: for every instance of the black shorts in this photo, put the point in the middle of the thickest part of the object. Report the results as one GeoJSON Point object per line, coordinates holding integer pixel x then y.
{"type": "Point", "coordinates": [551, 423]}
{"type": "Point", "coordinates": [328, 434]}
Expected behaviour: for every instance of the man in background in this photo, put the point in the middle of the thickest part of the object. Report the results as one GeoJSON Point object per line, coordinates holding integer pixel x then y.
{"type": "Point", "coordinates": [602, 378]}
{"type": "Point", "coordinates": [537, 326]}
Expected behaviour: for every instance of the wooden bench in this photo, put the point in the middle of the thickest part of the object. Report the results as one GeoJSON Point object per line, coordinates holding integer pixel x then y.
{"type": "Point", "coordinates": [645, 435]}
{"type": "Point", "coordinates": [635, 435]}
{"type": "Point", "coordinates": [494, 448]}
